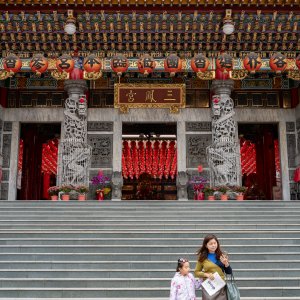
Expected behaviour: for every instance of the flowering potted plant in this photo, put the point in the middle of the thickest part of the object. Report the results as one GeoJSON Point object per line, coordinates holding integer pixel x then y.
{"type": "Point", "coordinates": [102, 182]}
{"type": "Point", "coordinates": [223, 190]}
{"type": "Point", "coordinates": [240, 191]}
{"type": "Point", "coordinates": [53, 192]}
{"type": "Point", "coordinates": [66, 189]}
{"type": "Point", "coordinates": [209, 192]}
{"type": "Point", "coordinates": [198, 183]}
{"type": "Point", "coordinates": [82, 190]}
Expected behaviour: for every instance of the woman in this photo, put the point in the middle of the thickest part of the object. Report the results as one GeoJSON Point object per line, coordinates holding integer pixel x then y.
{"type": "Point", "coordinates": [210, 260]}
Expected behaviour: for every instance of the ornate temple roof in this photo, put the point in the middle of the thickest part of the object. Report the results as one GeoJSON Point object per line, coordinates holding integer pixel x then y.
{"type": "Point", "coordinates": [156, 32]}
{"type": "Point", "coordinates": [203, 3]}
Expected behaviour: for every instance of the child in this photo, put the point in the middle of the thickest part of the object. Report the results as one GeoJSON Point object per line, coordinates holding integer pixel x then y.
{"type": "Point", "coordinates": [183, 284]}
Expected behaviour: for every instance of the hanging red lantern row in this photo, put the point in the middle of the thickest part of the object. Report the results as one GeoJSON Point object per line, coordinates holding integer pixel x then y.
{"type": "Point", "coordinates": [168, 161]}
{"type": "Point", "coordinates": [124, 166]}
{"type": "Point", "coordinates": [298, 61]}
{"type": "Point", "coordinates": [146, 64]}
{"type": "Point", "coordinates": [50, 157]}
{"type": "Point", "coordinates": [135, 158]}
{"type": "Point", "coordinates": [252, 62]}
{"type": "Point", "coordinates": [119, 64]}
{"type": "Point", "coordinates": [12, 63]}
{"type": "Point", "coordinates": [162, 159]}
{"type": "Point", "coordinates": [155, 159]}
{"type": "Point", "coordinates": [128, 160]}
{"type": "Point", "coordinates": [148, 157]}
{"type": "Point", "coordinates": [278, 62]}
{"type": "Point", "coordinates": [92, 64]}
{"type": "Point", "coordinates": [224, 62]}
{"type": "Point", "coordinates": [173, 170]}
{"type": "Point", "coordinates": [20, 161]}
{"type": "Point", "coordinates": [65, 63]}
{"type": "Point", "coordinates": [39, 64]}
{"type": "Point", "coordinates": [248, 157]}
{"type": "Point", "coordinates": [173, 64]}
{"type": "Point", "coordinates": [200, 63]}
{"type": "Point", "coordinates": [142, 157]}
{"type": "Point", "coordinates": [277, 156]}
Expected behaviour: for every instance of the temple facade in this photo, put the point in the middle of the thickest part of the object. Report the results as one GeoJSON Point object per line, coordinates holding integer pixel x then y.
{"type": "Point", "coordinates": [211, 111]}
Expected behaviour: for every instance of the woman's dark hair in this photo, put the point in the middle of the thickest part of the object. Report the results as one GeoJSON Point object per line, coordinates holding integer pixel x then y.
{"type": "Point", "coordinates": [203, 251]}
{"type": "Point", "coordinates": [180, 263]}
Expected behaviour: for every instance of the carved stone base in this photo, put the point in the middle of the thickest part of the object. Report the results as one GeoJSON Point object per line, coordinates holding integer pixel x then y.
{"type": "Point", "coordinates": [182, 183]}
{"type": "Point", "coordinates": [117, 183]}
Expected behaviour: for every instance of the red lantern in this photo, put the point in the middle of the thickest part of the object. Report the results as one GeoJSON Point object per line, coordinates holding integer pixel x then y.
{"type": "Point", "coordinates": [298, 61]}
{"type": "Point", "coordinates": [12, 63]}
{"type": "Point", "coordinates": [65, 63]}
{"type": "Point", "coordinates": [224, 62]}
{"type": "Point", "coordinates": [119, 64]}
{"type": "Point", "coordinates": [173, 64]}
{"type": "Point", "coordinates": [200, 63]}
{"type": "Point", "coordinates": [92, 63]}
{"type": "Point", "coordinates": [252, 62]}
{"type": "Point", "coordinates": [39, 64]}
{"type": "Point", "coordinates": [278, 62]}
{"type": "Point", "coordinates": [146, 64]}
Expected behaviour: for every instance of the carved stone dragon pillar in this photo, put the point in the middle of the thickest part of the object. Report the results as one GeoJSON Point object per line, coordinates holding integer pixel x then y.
{"type": "Point", "coordinates": [223, 155]}
{"type": "Point", "coordinates": [74, 152]}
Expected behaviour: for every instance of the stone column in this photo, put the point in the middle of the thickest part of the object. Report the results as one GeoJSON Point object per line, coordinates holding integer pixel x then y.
{"type": "Point", "coordinates": [14, 158]}
{"type": "Point", "coordinates": [117, 178]}
{"type": "Point", "coordinates": [182, 178]}
{"type": "Point", "coordinates": [223, 154]}
{"type": "Point", "coordinates": [74, 152]}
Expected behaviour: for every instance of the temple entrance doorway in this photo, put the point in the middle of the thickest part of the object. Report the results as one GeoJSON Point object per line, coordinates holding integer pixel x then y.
{"type": "Point", "coordinates": [260, 161]}
{"type": "Point", "coordinates": [37, 165]}
{"type": "Point", "coordinates": [149, 161]}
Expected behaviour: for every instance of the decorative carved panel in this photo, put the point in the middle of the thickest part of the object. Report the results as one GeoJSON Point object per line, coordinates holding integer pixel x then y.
{"type": "Point", "coordinates": [291, 145]}
{"type": "Point", "coordinates": [290, 126]}
{"type": "Point", "coordinates": [100, 126]}
{"type": "Point", "coordinates": [101, 150]}
{"type": "Point", "coordinates": [7, 126]}
{"type": "Point", "coordinates": [5, 175]}
{"type": "Point", "coordinates": [198, 126]}
{"type": "Point", "coordinates": [4, 191]}
{"type": "Point", "coordinates": [6, 150]}
{"type": "Point", "coordinates": [298, 123]}
{"type": "Point", "coordinates": [196, 149]}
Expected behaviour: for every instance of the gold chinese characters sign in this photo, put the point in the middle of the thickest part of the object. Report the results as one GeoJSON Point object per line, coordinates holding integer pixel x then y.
{"type": "Point", "coordinates": [170, 96]}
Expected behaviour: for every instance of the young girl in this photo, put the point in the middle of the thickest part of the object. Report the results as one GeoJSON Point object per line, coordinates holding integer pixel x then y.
{"type": "Point", "coordinates": [183, 284]}
{"type": "Point", "coordinates": [211, 259]}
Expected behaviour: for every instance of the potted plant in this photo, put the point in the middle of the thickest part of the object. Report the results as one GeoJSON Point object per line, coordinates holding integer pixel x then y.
{"type": "Point", "coordinates": [82, 190]}
{"type": "Point", "coordinates": [209, 192]}
{"type": "Point", "coordinates": [102, 182]}
{"type": "Point", "coordinates": [198, 183]}
{"type": "Point", "coordinates": [240, 191]}
{"type": "Point", "coordinates": [66, 189]}
{"type": "Point", "coordinates": [53, 192]}
{"type": "Point", "coordinates": [223, 191]}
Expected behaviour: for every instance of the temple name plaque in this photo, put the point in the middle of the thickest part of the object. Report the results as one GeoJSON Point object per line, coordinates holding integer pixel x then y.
{"type": "Point", "coordinates": [170, 96]}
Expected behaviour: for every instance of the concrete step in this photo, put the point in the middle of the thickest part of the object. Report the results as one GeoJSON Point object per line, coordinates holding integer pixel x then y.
{"type": "Point", "coordinates": [134, 282]}
{"type": "Point", "coordinates": [131, 273]}
{"type": "Point", "coordinates": [140, 249]}
{"type": "Point", "coordinates": [152, 226]}
{"type": "Point", "coordinates": [279, 291]}
{"type": "Point", "coordinates": [137, 256]}
{"type": "Point", "coordinates": [141, 265]}
{"type": "Point", "coordinates": [195, 242]}
{"type": "Point", "coordinates": [116, 234]}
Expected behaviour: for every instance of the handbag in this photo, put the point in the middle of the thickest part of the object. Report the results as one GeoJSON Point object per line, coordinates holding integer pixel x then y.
{"type": "Point", "coordinates": [233, 292]}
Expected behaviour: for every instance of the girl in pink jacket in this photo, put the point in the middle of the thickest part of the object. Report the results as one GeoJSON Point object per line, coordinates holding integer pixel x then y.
{"type": "Point", "coordinates": [183, 284]}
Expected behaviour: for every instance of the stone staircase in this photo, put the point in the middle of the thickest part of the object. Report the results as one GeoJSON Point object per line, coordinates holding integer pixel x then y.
{"type": "Point", "coordinates": [126, 250]}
